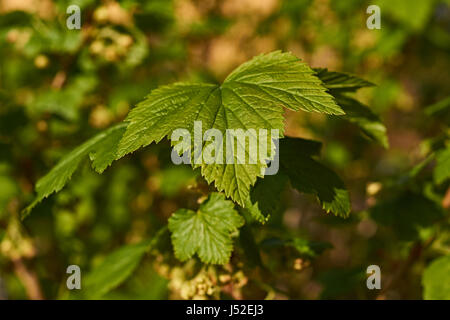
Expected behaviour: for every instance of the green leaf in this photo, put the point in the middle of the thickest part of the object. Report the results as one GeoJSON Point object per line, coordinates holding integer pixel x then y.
{"type": "Point", "coordinates": [206, 232]}
{"type": "Point", "coordinates": [257, 91]}
{"type": "Point", "coordinates": [436, 279]}
{"type": "Point", "coordinates": [101, 149]}
{"type": "Point", "coordinates": [340, 81]}
{"type": "Point", "coordinates": [117, 267]}
{"type": "Point", "coordinates": [251, 97]}
{"type": "Point", "coordinates": [442, 170]}
{"type": "Point", "coordinates": [309, 176]}
{"type": "Point", "coordinates": [363, 117]}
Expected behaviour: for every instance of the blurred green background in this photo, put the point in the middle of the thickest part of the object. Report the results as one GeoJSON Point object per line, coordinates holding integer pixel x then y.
{"type": "Point", "coordinates": [58, 87]}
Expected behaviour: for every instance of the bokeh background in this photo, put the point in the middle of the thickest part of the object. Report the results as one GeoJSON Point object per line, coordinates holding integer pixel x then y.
{"type": "Point", "coordinates": [58, 87]}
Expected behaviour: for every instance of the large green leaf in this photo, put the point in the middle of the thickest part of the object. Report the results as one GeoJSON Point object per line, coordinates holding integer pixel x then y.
{"type": "Point", "coordinates": [436, 279]}
{"type": "Point", "coordinates": [101, 149]}
{"type": "Point", "coordinates": [251, 97]}
{"type": "Point", "coordinates": [206, 232]}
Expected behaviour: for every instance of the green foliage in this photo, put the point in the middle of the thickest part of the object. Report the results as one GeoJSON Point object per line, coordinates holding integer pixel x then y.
{"type": "Point", "coordinates": [256, 92]}
{"type": "Point", "coordinates": [234, 232]}
{"type": "Point", "coordinates": [206, 232]}
{"type": "Point", "coordinates": [436, 279]}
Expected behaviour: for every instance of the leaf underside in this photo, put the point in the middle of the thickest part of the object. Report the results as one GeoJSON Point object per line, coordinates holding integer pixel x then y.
{"type": "Point", "coordinates": [251, 97]}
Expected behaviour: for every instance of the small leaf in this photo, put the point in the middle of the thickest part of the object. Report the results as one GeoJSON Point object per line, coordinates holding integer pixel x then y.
{"type": "Point", "coordinates": [436, 279]}
{"type": "Point", "coordinates": [206, 232]}
{"type": "Point", "coordinates": [251, 97]}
